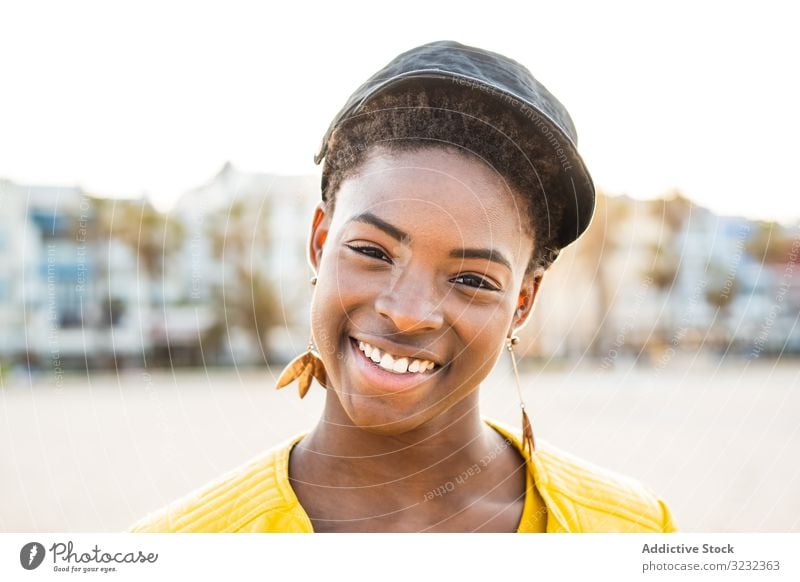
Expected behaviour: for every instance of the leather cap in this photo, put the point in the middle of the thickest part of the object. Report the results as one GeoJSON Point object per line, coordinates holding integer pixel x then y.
{"type": "Point", "coordinates": [509, 83]}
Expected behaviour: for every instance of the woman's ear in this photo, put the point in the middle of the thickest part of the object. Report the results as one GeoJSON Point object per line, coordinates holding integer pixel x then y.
{"type": "Point", "coordinates": [319, 234]}
{"type": "Point", "coordinates": [526, 299]}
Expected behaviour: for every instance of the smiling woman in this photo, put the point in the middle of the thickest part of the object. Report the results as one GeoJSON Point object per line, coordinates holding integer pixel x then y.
{"type": "Point", "coordinates": [451, 181]}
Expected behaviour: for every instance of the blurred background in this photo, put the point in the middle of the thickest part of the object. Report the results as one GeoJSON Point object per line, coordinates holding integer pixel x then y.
{"type": "Point", "coordinates": [156, 190]}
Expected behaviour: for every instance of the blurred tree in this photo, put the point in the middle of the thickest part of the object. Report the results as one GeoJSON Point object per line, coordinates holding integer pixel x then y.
{"type": "Point", "coordinates": [246, 298]}
{"type": "Point", "coordinates": [595, 249]}
{"type": "Point", "coordinates": [770, 243]}
{"type": "Point", "coordinates": [153, 238]}
{"type": "Point", "coordinates": [672, 212]}
{"type": "Point", "coordinates": [675, 210]}
{"type": "Point", "coordinates": [664, 266]}
{"type": "Point", "coordinates": [150, 234]}
{"type": "Point", "coordinates": [719, 294]}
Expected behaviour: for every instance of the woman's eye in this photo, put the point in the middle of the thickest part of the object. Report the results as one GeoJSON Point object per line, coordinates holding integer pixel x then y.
{"type": "Point", "coordinates": [370, 251]}
{"type": "Point", "coordinates": [475, 281]}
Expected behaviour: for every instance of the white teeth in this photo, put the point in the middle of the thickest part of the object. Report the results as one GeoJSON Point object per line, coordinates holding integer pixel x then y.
{"type": "Point", "coordinates": [401, 365]}
{"type": "Point", "coordinates": [387, 361]}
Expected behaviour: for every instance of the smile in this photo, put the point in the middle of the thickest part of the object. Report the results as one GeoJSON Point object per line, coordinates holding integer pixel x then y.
{"type": "Point", "coordinates": [393, 363]}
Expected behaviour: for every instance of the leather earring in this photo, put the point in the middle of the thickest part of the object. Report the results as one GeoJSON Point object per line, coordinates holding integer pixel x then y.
{"type": "Point", "coordinates": [527, 430]}
{"type": "Point", "coordinates": [303, 368]}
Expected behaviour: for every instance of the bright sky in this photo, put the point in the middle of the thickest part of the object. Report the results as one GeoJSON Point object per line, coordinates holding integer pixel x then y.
{"type": "Point", "coordinates": [125, 98]}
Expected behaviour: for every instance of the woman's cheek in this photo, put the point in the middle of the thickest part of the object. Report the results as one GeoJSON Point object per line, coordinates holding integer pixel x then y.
{"type": "Point", "coordinates": [355, 284]}
{"type": "Point", "coordinates": [339, 294]}
{"type": "Point", "coordinates": [485, 343]}
{"type": "Point", "coordinates": [323, 328]}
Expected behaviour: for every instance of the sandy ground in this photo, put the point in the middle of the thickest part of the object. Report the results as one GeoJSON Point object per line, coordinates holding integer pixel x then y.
{"type": "Point", "coordinates": [720, 441]}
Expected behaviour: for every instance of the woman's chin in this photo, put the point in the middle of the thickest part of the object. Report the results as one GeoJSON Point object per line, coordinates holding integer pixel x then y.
{"type": "Point", "coordinates": [365, 412]}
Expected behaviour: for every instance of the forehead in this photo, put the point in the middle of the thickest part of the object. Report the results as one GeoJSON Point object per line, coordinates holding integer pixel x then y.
{"type": "Point", "coordinates": [433, 190]}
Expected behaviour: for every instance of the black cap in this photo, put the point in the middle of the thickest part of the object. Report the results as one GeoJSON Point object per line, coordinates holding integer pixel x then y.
{"type": "Point", "coordinates": [507, 82]}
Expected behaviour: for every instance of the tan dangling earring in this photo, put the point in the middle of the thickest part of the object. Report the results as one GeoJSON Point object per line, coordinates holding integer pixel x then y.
{"type": "Point", "coordinates": [304, 367]}
{"type": "Point", "coordinates": [527, 429]}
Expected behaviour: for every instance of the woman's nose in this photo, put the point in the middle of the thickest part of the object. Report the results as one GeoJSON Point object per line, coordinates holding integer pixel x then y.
{"type": "Point", "coordinates": [411, 303]}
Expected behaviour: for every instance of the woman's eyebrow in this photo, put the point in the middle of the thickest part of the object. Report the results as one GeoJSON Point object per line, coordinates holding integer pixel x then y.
{"type": "Point", "coordinates": [389, 229]}
{"type": "Point", "coordinates": [402, 236]}
{"type": "Point", "coordinates": [488, 254]}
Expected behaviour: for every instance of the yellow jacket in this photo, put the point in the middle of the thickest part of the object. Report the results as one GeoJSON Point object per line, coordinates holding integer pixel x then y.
{"type": "Point", "coordinates": [578, 497]}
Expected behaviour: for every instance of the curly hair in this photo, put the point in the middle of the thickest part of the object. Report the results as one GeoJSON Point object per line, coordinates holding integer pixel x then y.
{"type": "Point", "coordinates": [423, 116]}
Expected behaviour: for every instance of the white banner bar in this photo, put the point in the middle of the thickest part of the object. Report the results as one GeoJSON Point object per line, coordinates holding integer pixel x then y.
{"type": "Point", "coordinates": [401, 557]}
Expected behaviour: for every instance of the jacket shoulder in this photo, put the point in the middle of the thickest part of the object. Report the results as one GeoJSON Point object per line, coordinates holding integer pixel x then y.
{"type": "Point", "coordinates": [591, 498]}
{"type": "Point", "coordinates": [255, 496]}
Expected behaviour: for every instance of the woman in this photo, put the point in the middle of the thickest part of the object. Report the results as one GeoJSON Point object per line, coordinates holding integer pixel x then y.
{"type": "Point", "coordinates": [451, 181]}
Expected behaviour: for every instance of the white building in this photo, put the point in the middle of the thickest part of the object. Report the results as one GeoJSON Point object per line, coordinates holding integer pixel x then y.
{"type": "Point", "coordinates": [261, 222]}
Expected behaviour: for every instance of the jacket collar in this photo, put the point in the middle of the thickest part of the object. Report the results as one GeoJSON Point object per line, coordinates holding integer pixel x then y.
{"type": "Point", "coordinates": [539, 468]}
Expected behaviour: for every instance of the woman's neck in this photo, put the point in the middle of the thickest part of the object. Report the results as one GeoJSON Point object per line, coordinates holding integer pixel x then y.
{"type": "Point", "coordinates": [346, 455]}
{"type": "Point", "coordinates": [455, 473]}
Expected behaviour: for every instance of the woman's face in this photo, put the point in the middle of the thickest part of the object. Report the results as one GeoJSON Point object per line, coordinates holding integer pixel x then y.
{"type": "Point", "coordinates": [422, 268]}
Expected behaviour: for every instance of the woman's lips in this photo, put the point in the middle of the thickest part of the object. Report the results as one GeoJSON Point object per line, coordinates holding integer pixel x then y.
{"type": "Point", "coordinates": [385, 380]}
